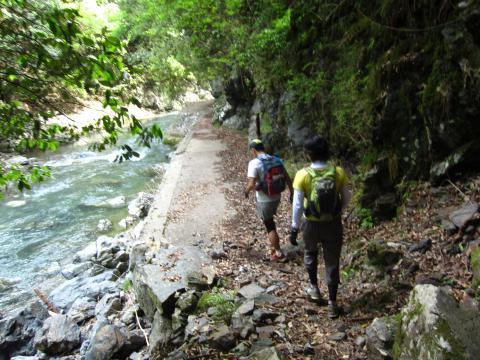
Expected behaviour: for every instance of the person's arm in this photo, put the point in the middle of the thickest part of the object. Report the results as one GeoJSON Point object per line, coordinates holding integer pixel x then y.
{"type": "Point", "coordinates": [250, 186]}
{"type": "Point", "coordinates": [297, 211]}
{"type": "Point", "coordinates": [297, 208]}
{"type": "Point", "coordinates": [289, 182]}
{"type": "Point", "coordinates": [251, 178]}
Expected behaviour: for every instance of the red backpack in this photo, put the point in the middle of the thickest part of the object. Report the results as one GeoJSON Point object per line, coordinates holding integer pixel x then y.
{"type": "Point", "coordinates": [273, 182]}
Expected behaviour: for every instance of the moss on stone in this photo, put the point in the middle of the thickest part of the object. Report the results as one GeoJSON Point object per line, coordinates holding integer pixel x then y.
{"type": "Point", "coordinates": [475, 263]}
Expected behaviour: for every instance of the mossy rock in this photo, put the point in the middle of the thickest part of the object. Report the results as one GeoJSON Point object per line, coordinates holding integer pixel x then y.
{"type": "Point", "coordinates": [434, 325]}
{"type": "Point", "coordinates": [475, 264]}
{"type": "Point", "coordinates": [380, 254]}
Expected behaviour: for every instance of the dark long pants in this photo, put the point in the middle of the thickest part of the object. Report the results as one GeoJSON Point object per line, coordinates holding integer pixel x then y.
{"type": "Point", "coordinates": [330, 235]}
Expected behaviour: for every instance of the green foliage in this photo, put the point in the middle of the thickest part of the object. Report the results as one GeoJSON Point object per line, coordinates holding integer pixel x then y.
{"type": "Point", "coordinates": [172, 141]}
{"type": "Point", "coordinates": [47, 58]}
{"type": "Point", "coordinates": [127, 285]}
{"type": "Point", "coordinates": [383, 75]}
{"type": "Point", "coordinates": [221, 300]}
{"type": "Point", "coordinates": [348, 273]}
{"type": "Point", "coordinates": [366, 218]}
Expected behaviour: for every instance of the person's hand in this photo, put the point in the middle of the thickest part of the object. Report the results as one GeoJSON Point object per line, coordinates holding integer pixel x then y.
{"type": "Point", "coordinates": [293, 236]}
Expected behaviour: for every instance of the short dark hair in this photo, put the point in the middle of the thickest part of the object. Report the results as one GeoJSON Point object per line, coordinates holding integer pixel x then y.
{"type": "Point", "coordinates": [317, 148]}
{"type": "Point", "coordinates": [257, 145]}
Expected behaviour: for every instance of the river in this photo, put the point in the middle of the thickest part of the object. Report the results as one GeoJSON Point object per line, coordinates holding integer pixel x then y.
{"type": "Point", "coordinates": [41, 229]}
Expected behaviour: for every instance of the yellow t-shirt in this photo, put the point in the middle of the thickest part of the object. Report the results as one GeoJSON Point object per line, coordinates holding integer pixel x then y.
{"type": "Point", "coordinates": [303, 183]}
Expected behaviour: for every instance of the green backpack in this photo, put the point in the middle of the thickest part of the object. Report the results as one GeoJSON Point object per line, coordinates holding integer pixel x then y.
{"type": "Point", "coordinates": [324, 202]}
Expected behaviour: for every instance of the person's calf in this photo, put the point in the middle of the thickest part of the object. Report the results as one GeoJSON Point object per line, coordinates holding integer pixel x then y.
{"type": "Point", "coordinates": [311, 264]}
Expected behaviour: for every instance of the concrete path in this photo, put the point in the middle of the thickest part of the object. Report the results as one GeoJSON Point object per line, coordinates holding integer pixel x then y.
{"type": "Point", "coordinates": [191, 200]}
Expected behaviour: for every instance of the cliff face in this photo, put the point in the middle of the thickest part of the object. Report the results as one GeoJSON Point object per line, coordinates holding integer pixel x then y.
{"type": "Point", "coordinates": [392, 85]}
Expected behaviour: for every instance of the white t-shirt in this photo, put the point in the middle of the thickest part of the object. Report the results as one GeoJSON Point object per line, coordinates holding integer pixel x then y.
{"type": "Point", "coordinates": [255, 170]}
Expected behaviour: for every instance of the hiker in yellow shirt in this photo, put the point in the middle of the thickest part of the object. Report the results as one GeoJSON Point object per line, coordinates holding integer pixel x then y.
{"type": "Point", "coordinates": [320, 195]}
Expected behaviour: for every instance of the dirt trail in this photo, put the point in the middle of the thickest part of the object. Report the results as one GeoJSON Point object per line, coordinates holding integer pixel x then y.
{"type": "Point", "coordinates": [203, 205]}
{"type": "Point", "coordinates": [190, 202]}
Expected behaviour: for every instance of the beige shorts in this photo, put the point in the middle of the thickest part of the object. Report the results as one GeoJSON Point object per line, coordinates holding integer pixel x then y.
{"type": "Point", "coordinates": [266, 210]}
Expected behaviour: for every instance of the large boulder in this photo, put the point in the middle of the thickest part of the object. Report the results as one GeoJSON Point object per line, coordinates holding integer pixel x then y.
{"type": "Point", "coordinates": [139, 207]}
{"type": "Point", "coordinates": [381, 337]}
{"type": "Point", "coordinates": [69, 271]}
{"type": "Point", "coordinates": [18, 331]}
{"type": "Point", "coordinates": [161, 334]}
{"type": "Point", "coordinates": [104, 225]}
{"type": "Point", "coordinates": [466, 156]}
{"type": "Point", "coordinates": [173, 270]}
{"type": "Point", "coordinates": [111, 342]}
{"type": "Point", "coordinates": [433, 325]}
{"type": "Point", "coordinates": [59, 335]}
{"type": "Point", "coordinates": [82, 309]}
{"type": "Point", "coordinates": [82, 287]}
{"type": "Point", "coordinates": [239, 120]}
{"type": "Point", "coordinates": [475, 263]}
{"type": "Point", "coordinates": [461, 216]}
{"type": "Point", "coordinates": [86, 253]}
{"type": "Point", "coordinates": [378, 193]}
{"type": "Point", "coordinates": [381, 254]}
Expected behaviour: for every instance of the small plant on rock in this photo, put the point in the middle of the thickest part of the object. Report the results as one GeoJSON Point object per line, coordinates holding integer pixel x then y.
{"type": "Point", "coordinates": [222, 301]}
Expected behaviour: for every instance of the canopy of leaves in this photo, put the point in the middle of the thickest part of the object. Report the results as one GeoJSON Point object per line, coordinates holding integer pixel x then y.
{"type": "Point", "coordinates": [360, 72]}
{"type": "Point", "coordinates": [46, 60]}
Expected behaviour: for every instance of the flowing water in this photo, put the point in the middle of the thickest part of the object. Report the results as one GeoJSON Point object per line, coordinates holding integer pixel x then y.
{"type": "Point", "coordinates": [40, 230]}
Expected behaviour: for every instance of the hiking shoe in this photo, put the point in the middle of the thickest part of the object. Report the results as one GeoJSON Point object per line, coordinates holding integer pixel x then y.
{"type": "Point", "coordinates": [333, 310]}
{"type": "Point", "coordinates": [278, 256]}
{"type": "Point", "coordinates": [313, 293]}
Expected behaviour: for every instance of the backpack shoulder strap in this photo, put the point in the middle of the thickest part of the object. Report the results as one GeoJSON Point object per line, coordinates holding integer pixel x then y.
{"type": "Point", "coordinates": [310, 171]}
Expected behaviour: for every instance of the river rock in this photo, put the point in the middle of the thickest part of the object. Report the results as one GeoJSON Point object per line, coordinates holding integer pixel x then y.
{"type": "Point", "coordinates": [107, 342]}
{"type": "Point", "coordinates": [86, 254]}
{"type": "Point", "coordinates": [19, 160]}
{"type": "Point", "coordinates": [104, 225]}
{"type": "Point", "coordinates": [15, 203]}
{"type": "Point", "coordinates": [156, 284]}
{"type": "Point", "coordinates": [105, 244]}
{"type": "Point", "coordinates": [88, 287]}
{"type": "Point", "coordinates": [59, 335]}
{"type": "Point", "coordinates": [161, 333]}
{"type": "Point", "coordinates": [69, 271]}
{"type": "Point", "coordinates": [127, 222]}
{"type": "Point", "coordinates": [108, 305]}
{"type": "Point", "coordinates": [139, 207]}
{"type": "Point", "coordinates": [117, 202]}
{"type": "Point", "coordinates": [18, 331]}
{"type": "Point", "coordinates": [433, 325]}
{"type": "Point", "coordinates": [82, 309]}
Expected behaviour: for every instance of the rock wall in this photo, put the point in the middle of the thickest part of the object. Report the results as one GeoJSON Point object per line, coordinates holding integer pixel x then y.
{"type": "Point", "coordinates": [433, 325]}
